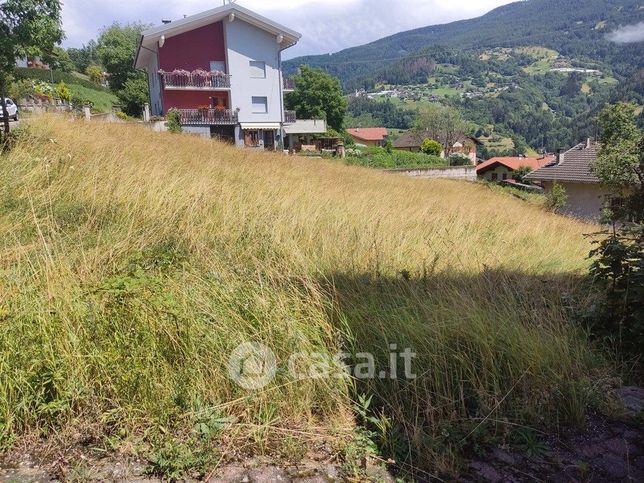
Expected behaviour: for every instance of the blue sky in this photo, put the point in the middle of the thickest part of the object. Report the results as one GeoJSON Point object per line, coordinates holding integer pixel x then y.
{"type": "Point", "coordinates": [326, 25]}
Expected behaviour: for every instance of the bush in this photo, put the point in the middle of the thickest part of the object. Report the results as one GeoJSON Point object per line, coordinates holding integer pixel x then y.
{"type": "Point", "coordinates": [62, 92]}
{"type": "Point", "coordinates": [431, 147]}
{"type": "Point", "coordinates": [95, 74]}
{"type": "Point", "coordinates": [556, 198]}
{"type": "Point", "coordinates": [618, 267]}
{"type": "Point", "coordinates": [458, 159]}
{"type": "Point", "coordinates": [133, 96]}
{"type": "Point", "coordinates": [122, 116]}
{"type": "Point", "coordinates": [380, 158]}
{"type": "Point", "coordinates": [174, 122]}
{"type": "Point", "coordinates": [21, 89]}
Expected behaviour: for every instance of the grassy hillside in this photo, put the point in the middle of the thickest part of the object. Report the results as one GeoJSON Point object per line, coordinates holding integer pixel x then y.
{"type": "Point", "coordinates": [133, 263]}
{"type": "Point", "coordinates": [80, 87]}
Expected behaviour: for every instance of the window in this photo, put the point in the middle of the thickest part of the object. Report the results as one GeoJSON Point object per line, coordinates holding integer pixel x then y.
{"type": "Point", "coordinates": [9, 102]}
{"type": "Point", "coordinates": [217, 66]}
{"type": "Point", "coordinates": [494, 177]}
{"type": "Point", "coordinates": [260, 105]}
{"type": "Point", "coordinates": [505, 176]}
{"type": "Point", "coordinates": [257, 69]}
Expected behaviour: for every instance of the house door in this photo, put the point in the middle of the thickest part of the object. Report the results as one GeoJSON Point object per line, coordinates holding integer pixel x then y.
{"type": "Point", "coordinates": [269, 140]}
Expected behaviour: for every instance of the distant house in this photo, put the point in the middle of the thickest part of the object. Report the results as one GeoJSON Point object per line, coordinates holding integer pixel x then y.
{"type": "Point", "coordinates": [571, 169]}
{"type": "Point", "coordinates": [413, 140]}
{"type": "Point", "coordinates": [32, 62]}
{"type": "Point", "coordinates": [369, 136]}
{"type": "Point", "coordinates": [502, 168]}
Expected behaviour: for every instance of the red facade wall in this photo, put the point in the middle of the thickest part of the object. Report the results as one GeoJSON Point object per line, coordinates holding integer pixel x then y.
{"type": "Point", "coordinates": [191, 99]}
{"type": "Point", "coordinates": [190, 51]}
{"type": "Point", "coordinates": [194, 50]}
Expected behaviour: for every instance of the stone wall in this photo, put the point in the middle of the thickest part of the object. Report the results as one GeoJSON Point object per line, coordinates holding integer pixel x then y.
{"type": "Point", "coordinates": [467, 173]}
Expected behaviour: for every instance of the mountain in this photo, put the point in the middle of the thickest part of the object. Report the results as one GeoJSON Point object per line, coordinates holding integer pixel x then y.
{"type": "Point", "coordinates": [530, 75]}
{"type": "Point", "coordinates": [574, 28]}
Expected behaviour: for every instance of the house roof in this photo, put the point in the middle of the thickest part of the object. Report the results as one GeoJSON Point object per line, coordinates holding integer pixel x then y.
{"type": "Point", "coordinates": [368, 133]}
{"type": "Point", "coordinates": [149, 38]}
{"type": "Point", "coordinates": [414, 139]}
{"type": "Point", "coordinates": [514, 163]}
{"type": "Point", "coordinates": [573, 166]}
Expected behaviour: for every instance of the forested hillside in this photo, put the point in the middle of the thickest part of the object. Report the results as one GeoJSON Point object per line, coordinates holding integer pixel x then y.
{"type": "Point", "coordinates": [575, 28]}
{"type": "Point", "coordinates": [534, 72]}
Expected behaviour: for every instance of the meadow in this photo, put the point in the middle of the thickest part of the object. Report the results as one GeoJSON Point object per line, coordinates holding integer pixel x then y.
{"type": "Point", "coordinates": [133, 263]}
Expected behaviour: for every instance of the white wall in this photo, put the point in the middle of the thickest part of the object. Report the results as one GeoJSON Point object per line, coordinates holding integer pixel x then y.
{"type": "Point", "coordinates": [585, 200]}
{"type": "Point", "coordinates": [245, 43]}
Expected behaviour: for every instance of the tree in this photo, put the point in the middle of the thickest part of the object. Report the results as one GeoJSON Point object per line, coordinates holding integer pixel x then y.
{"type": "Point", "coordinates": [133, 95]}
{"type": "Point", "coordinates": [619, 164]}
{"type": "Point", "coordinates": [318, 95]}
{"type": "Point", "coordinates": [85, 56]}
{"type": "Point", "coordinates": [27, 28]}
{"type": "Point", "coordinates": [59, 60]}
{"type": "Point", "coordinates": [116, 50]}
{"type": "Point", "coordinates": [95, 74]}
{"type": "Point", "coordinates": [442, 123]}
{"type": "Point", "coordinates": [521, 172]}
{"type": "Point", "coordinates": [618, 259]}
{"type": "Point", "coordinates": [431, 147]}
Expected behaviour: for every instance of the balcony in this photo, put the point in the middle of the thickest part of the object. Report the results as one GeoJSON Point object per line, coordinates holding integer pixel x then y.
{"type": "Point", "coordinates": [289, 117]}
{"type": "Point", "coordinates": [208, 117]}
{"type": "Point", "coordinates": [199, 80]}
{"type": "Point", "coordinates": [289, 84]}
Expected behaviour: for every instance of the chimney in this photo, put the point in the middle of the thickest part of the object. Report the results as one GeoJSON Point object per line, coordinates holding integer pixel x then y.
{"type": "Point", "coordinates": [589, 143]}
{"type": "Point", "coordinates": [560, 155]}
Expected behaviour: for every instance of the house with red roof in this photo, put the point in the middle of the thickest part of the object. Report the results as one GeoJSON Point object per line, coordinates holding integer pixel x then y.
{"type": "Point", "coordinates": [503, 168]}
{"type": "Point", "coordinates": [369, 136]}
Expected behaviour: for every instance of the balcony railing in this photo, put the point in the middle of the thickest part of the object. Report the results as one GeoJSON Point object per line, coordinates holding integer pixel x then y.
{"type": "Point", "coordinates": [289, 84]}
{"type": "Point", "coordinates": [207, 116]}
{"type": "Point", "coordinates": [196, 80]}
{"type": "Point", "coordinates": [289, 117]}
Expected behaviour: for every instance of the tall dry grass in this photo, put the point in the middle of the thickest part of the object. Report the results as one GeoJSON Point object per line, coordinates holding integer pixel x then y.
{"type": "Point", "coordinates": [133, 263]}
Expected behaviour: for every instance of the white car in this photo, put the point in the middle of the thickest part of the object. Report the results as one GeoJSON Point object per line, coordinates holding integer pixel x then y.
{"type": "Point", "coordinates": [12, 109]}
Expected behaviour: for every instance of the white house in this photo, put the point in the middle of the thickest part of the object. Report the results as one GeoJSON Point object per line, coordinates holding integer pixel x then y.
{"type": "Point", "coordinates": [221, 70]}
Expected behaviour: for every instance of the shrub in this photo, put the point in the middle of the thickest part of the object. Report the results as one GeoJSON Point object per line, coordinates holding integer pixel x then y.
{"type": "Point", "coordinates": [133, 96]}
{"type": "Point", "coordinates": [556, 198]}
{"type": "Point", "coordinates": [121, 115]}
{"type": "Point", "coordinates": [380, 158]}
{"type": "Point", "coordinates": [431, 147]}
{"type": "Point", "coordinates": [173, 122]}
{"type": "Point", "coordinates": [95, 74]}
{"type": "Point", "coordinates": [62, 92]}
{"type": "Point", "coordinates": [21, 88]}
{"type": "Point", "coordinates": [458, 159]}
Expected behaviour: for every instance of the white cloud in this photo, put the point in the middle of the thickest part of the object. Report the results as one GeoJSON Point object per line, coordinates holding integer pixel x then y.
{"type": "Point", "coordinates": [326, 25]}
{"type": "Point", "coordinates": [627, 34]}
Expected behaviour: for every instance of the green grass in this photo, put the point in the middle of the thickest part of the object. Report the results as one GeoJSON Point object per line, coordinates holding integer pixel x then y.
{"type": "Point", "coordinates": [101, 98]}
{"type": "Point", "coordinates": [133, 263]}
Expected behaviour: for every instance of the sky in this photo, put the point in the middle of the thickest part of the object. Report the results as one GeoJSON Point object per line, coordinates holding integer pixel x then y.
{"type": "Point", "coordinates": [326, 25]}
